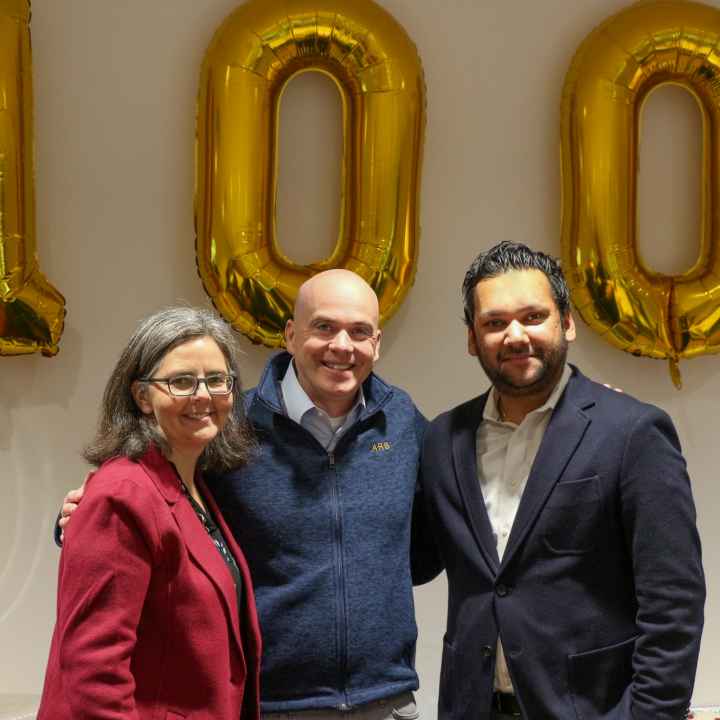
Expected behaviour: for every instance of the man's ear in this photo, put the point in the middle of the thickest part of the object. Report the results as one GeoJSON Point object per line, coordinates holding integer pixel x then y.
{"type": "Point", "coordinates": [378, 338]}
{"type": "Point", "coordinates": [471, 344]}
{"type": "Point", "coordinates": [139, 392]}
{"type": "Point", "coordinates": [290, 336]}
{"type": "Point", "coordinates": [569, 327]}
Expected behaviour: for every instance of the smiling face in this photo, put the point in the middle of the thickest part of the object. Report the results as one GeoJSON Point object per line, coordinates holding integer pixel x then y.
{"type": "Point", "coordinates": [334, 338]}
{"type": "Point", "coordinates": [519, 336]}
{"type": "Point", "coordinates": [189, 423]}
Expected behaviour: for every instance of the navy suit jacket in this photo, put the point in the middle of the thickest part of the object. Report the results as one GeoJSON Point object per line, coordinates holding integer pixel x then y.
{"type": "Point", "coordinates": [599, 596]}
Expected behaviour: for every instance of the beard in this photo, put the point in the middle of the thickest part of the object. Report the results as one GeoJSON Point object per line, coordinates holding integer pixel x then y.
{"type": "Point", "coordinates": [552, 361]}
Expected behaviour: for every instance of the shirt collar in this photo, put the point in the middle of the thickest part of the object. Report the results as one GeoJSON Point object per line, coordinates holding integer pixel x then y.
{"type": "Point", "coordinates": [297, 401]}
{"type": "Point", "coordinates": [492, 412]}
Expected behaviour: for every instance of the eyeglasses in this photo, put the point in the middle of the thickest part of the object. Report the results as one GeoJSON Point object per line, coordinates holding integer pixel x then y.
{"type": "Point", "coordinates": [186, 385]}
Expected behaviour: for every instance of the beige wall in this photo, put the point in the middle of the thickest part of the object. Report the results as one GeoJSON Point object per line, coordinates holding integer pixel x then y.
{"type": "Point", "coordinates": [115, 87]}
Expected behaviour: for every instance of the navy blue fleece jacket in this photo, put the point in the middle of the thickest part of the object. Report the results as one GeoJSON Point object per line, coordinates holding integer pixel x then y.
{"type": "Point", "coordinates": [327, 538]}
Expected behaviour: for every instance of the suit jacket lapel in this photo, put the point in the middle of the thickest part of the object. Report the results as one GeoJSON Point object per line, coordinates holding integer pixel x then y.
{"type": "Point", "coordinates": [465, 463]}
{"type": "Point", "coordinates": [562, 437]}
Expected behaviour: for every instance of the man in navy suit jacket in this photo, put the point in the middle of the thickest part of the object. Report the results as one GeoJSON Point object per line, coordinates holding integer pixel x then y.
{"type": "Point", "coordinates": [562, 513]}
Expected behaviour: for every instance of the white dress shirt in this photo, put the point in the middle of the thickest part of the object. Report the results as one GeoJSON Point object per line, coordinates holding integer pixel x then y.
{"type": "Point", "coordinates": [300, 408]}
{"type": "Point", "coordinates": [505, 454]}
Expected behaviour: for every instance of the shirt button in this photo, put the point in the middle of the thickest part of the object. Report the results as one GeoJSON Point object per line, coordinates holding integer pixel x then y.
{"type": "Point", "coordinates": [486, 651]}
{"type": "Point", "coordinates": [502, 590]}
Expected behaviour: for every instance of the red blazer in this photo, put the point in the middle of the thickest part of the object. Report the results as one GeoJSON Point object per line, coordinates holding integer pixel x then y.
{"type": "Point", "coordinates": [147, 618]}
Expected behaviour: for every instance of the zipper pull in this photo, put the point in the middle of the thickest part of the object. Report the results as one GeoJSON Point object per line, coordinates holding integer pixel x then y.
{"type": "Point", "coordinates": [331, 459]}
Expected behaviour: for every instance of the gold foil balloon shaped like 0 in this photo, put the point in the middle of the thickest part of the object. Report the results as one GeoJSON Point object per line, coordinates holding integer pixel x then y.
{"type": "Point", "coordinates": [32, 312]}
{"type": "Point", "coordinates": [254, 53]}
{"type": "Point", "coordinates": [615, 68]}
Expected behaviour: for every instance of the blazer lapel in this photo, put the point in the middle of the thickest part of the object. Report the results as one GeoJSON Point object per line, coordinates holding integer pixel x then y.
{"type": "Point", "coordinates": [465, 463]}
{"type": "Point", "coordinates": [252, 640]}
{"type": "Point", "coordinates": [206, 555]}
{"type": "Point", "coordinates": [198, 542]}
{"type": "Point", "coordinates": [563, 435]}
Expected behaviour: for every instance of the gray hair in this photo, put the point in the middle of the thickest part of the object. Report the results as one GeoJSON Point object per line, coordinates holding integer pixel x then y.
{"type": "Point", "coordinates": [123, 430]}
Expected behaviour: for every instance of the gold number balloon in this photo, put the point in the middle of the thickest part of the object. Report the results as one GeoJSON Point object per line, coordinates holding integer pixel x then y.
{"type": "Point", "coordinates": [617, 65]}
{"type": "Point", "coordinates": [255, 52]}
{"type": "Point", "coordinates": [32, 312]}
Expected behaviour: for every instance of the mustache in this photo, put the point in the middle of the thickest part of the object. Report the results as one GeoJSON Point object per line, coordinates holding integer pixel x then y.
{"type": "Point", "coordinates": [522, 352]}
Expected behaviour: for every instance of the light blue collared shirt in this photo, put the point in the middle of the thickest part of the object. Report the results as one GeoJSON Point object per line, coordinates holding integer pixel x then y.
{"type": "Point", "coordinates": [300, 408]}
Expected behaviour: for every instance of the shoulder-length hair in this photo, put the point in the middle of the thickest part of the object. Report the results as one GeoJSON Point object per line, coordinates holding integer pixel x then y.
{"type": "Point", "coordinates": [123, 430]}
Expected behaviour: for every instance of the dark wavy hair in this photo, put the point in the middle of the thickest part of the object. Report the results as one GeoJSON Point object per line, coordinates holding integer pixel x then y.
{"type": "Point", "coordinates": [123, 430]}
{"type": "Point", "coordinates": [507, 256]}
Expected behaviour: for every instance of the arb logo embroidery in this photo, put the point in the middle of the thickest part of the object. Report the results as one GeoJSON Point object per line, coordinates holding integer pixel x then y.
{"type": "Point", "coordinates": [380, 446]}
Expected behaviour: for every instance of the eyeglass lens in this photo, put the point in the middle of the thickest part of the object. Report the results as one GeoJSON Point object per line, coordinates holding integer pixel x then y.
{"type": "Point", "coordinates": [219, 384]}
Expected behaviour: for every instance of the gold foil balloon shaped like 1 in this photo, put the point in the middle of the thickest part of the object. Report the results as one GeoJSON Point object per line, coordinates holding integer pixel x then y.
{"type": "Point", "coordinates": [257, 50]}
{"type": "Point", "coordinates": [32, 312]}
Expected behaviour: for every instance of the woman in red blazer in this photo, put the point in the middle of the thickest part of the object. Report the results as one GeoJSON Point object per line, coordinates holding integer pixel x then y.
{"type": "Point", "coordinates": [156, 613]}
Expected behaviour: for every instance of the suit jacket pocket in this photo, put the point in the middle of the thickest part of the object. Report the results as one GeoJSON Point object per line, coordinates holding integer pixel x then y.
{"type": "Point", "coordinates": [600, 679]}
{"type": "Point", "coordinates": [571, 515]}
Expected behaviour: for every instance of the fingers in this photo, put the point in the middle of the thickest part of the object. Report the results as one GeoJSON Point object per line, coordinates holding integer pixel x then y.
{"type": "Point", "coordinates": [74, 496]}
{"type": "Point", "coordinates": [67, 510]}
{"type": "Point", "coordinates": [70, 504]}
{"type": "Point", "coordinates": [610, 387]}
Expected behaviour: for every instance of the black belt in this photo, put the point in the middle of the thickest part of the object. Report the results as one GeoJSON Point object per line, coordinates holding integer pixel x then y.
{"type": "Point", "coordinates": [506, 703]}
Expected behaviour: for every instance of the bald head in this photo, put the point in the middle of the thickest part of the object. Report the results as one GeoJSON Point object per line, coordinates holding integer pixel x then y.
{"type": "Point", "coordinates": [334, 338]}
{"type": "Point", "coordinates": [333, 286]}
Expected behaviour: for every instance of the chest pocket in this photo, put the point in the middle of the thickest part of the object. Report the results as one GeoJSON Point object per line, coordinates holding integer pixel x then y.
{"type": "Point", "coordinates": [571, 517]}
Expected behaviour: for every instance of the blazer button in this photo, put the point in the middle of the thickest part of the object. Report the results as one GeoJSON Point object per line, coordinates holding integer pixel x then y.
{"type": "Point", "coordinates": [486, 651]}
{"type": "Point", "coordinates": [502, 590]}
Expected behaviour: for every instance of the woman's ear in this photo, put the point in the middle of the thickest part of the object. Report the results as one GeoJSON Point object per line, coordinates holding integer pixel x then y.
{"type": "Point", "coordinates": [139, 392]}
